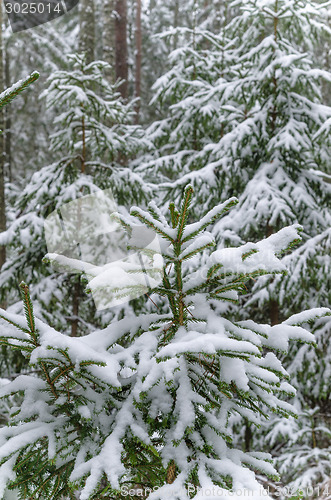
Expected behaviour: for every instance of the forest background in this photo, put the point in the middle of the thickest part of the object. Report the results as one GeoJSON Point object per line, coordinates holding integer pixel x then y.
{"type": "Point", "coordinates": [227, 96]}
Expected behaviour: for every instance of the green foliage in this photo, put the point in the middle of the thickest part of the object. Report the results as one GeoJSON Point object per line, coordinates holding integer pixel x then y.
{"type": "Point", "coordinates": [9, 94]}
{"type": "Point", "coordinates": [94, 138]}
{"type": "Point", "coordinates": [145, 403]}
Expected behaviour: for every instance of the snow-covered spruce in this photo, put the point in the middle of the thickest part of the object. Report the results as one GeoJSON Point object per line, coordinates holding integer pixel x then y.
{"type": "Point", "coordinates": [302, 447]}
{"type": "Point", "coordinates": [146, 401]}
{"type": "Point", "coordinates": [279, 145]}
{"type": "Point", "coordinates": [189, 100]}
{"type": "Point", "coordinates": [242, 112]}
{"type": "Point", "coordinates": [44, 48]}
{"type": "Point", "coordinates": [95, 126]}
{"type": "Point", "coordinates": [278, 126]}
{"type": "Point", "coordinates": [94, 136]}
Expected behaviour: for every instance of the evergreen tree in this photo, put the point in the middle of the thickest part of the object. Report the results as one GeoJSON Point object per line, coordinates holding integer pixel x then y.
{"type": "Point", "coordinates": [283, 135]}
{"type": "Point", "coordinates": [246, 111]}
{"type": "Point", "coordinates": [87, 29]}
{"type": "Point", "coordinates": [285, 139]}
{"type": "Point", "coordinates": [5, 98]}
{"type": "Point", "coordinates": [95, 126]}
{"type": "Point", "coordinates": [28, 123]}
{"type": "Point", "coordinates": [245, 116]}
{"type": "Point", "coordinates": [166, 28]}
{"type": "Point", "coordinates": [145, 402]}
{"type": "Point", "coordinates": [93, 138]}
{"type": "Point", "coordinates": [302, 446]}
{"type": "Point", "coordinates": [192, 117]}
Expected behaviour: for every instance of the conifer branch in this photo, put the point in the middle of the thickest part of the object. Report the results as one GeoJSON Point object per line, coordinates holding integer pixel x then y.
{"type": "Point", "coordinates": [19, 327]}
{"type": "Point", "coordinates": [174, 215]}
{"type": "Point", "coordinates": [9, 94]}
{"type": "Point", "coordinates": [183, 212]}
{"type": "Point", "coordinates": [28, 308]}
{"type": "Point", "coordinates": [136, 213]}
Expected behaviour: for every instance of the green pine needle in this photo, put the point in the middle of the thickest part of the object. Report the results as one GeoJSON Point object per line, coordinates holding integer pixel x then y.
{"type": "Point", "coordinates": [28, 308]}
{"type": "Point", "coordinates": [9, 94]}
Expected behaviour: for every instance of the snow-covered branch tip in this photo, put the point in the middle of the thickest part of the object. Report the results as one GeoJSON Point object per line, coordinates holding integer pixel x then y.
{"type": "Point", "coordinates": [9, 94]}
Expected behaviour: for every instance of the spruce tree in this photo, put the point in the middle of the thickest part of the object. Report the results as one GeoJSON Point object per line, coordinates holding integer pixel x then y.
{"type": "Point", "coordinates": [285, 141]}
{"type": "Point", "coordinates": [236, 102]}
{"type": "Point", "coordinates": [245, 115]}
{"type": "Point", "coordinates": [28, 123]}
{"type": "Point", "coordinates": [302, 447]}
{"type": "Point", "coordinates": [190, 120]}
{"type": "Point", "coordinates": [144, 403]}
{"type": "Point", "coordinates": [94, 138]}
{"type": "Point", "coordinates": [5, 98]}
{"type": "Point", "coordinates": [195, 108]}
{"type": "Point", "coordinates": [283, 137]}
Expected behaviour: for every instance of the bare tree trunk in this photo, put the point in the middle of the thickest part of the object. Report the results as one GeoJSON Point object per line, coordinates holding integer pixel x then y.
{"type": "Point", "coordinates": [2, 149]}
{"type": "Point", "coordinates": [87, 29]}
{"type": "Point", "coordinates": [8, 118]}
{"type": "Point", "coordinates": [138, 57]}
{"type": "Point", "coordinates": [109, 38]}
{"type": "Point", "coordinates": [121, 48]}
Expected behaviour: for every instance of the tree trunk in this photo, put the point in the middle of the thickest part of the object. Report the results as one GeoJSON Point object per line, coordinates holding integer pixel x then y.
{"type": "Point", "coordinates": [176, 22]}
{"type": "Point", "coordinates": [8, 119]}
{"type": "Point", "coordinates": [77, 291]}
{"type": "Point", "coordinates": [87, 29]}
{"type": "Point", "coordinates": [109, 38]}
{"type": "Point", "coordinates": [273, 304]}
{"type": "Point", "coordinates": [2, 150]}
{"type": "Point", "coordinates": [171, 472]}
{"type": "Point", "coordinates": [274, 312]}
{"type": "Point", "coordinates": [138, 57]}
{"type": "Point", "coordinates": [121, 48]}
{"type": "Point", "coordinates": [248, 435]}
{"type": "Point", "coordinates": [75, 308]}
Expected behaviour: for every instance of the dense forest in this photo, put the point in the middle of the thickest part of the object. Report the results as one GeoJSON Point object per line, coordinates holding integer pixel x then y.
{"type": "Point", "coordinates": [165, 248]}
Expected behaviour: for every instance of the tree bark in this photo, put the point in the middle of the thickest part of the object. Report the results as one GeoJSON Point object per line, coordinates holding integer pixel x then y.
{"type": "Point", "coordinates": [274, 312]}
{"type": "Point", "coordinates": [273, 304]}
{"type": "Point", "coordinates": [75, 308]}
{"type": "Point", "coordinates": [138, 57]}
{"type": "Point", "coordinates": [176, 22]}
{"type": "Point", "coordinates": [87, 29]}
{"type": "Point", "coordinates": [121, 48]}
{"type": "Point", "coordinates": [171, 472]}
{"type": "Point", "coordinates": [8, 119]}
{"type": "Point", "coordinates": [109, 38]}
{"type": "Point", "coordinates": [248, 435]}
{"type": "Point", "coordinates": [2, 149]}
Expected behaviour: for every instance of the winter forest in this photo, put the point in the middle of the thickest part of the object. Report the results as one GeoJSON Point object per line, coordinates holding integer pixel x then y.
{"type": "Point", "coordinates": [165, 243]}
